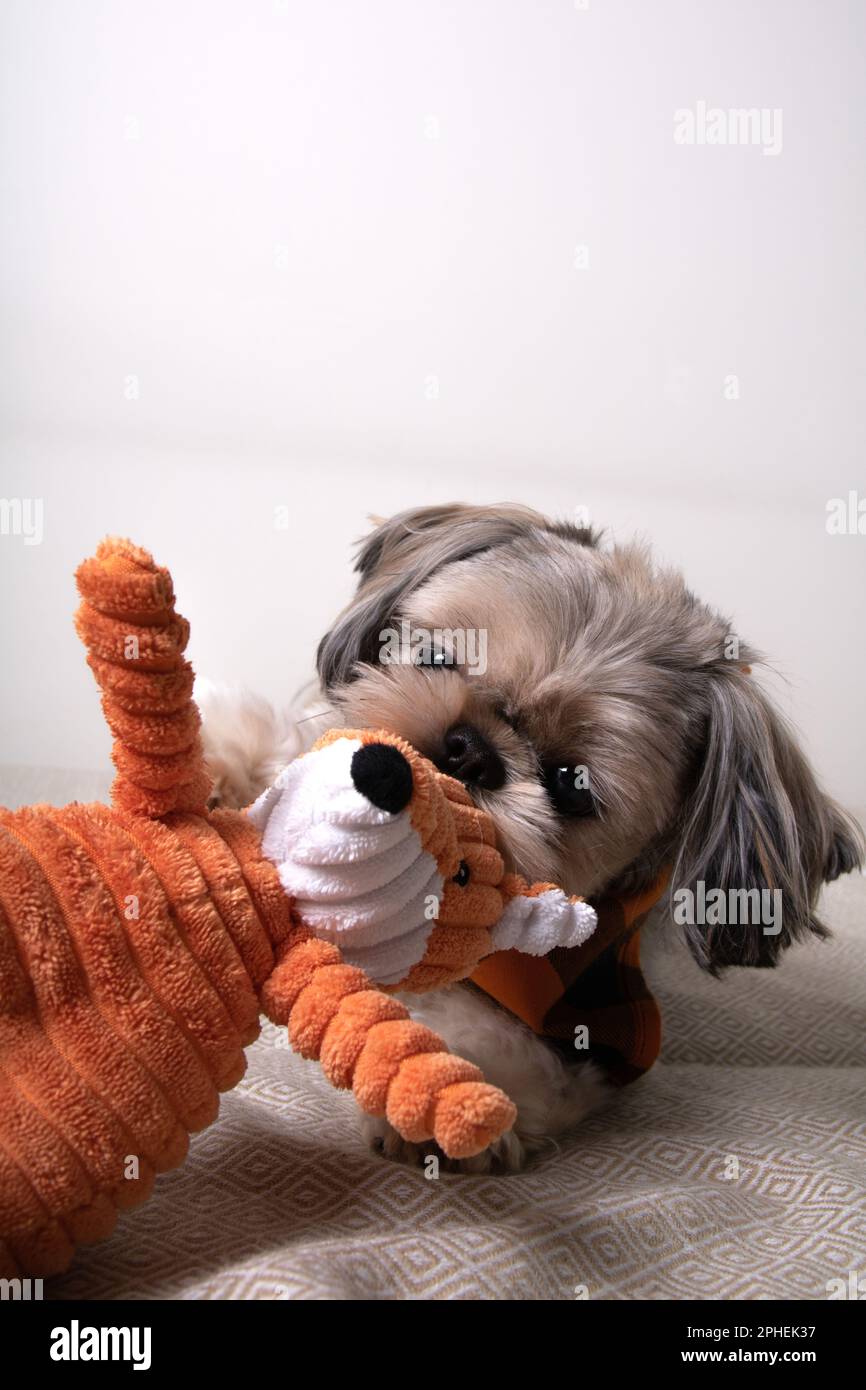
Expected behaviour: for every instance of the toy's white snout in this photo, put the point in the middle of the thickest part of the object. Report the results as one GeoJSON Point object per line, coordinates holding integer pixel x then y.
{"type": "Point", "coordinates": [357, 870]}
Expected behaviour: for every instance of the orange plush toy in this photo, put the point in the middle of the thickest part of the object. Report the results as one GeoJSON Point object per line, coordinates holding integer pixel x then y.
{"type": "Point", "coordinates": [139, 942]}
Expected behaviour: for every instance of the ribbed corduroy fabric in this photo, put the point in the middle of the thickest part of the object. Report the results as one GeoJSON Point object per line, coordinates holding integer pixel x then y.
{"type": "Point", "coordinates": [138, 943]}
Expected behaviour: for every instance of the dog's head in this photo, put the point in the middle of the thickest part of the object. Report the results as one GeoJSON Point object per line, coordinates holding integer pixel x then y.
{"type": "Point", "coordinates": [596, 709]}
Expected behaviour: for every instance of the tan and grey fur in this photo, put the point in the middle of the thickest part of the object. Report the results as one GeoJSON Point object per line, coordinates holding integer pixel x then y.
{"type": "Point", "coordinates": [598, 658]}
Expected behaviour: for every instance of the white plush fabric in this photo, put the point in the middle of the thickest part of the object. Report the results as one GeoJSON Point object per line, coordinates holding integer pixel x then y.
{"type": "Point", "coordinates": [360, 875]}
{"type": "Point", "coordinates": [536, 925]}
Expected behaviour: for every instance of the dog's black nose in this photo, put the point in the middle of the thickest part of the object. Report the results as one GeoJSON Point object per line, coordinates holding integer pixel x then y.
{"type": "Point", "coordinates": [468, 756]}
{"type": "Point", "coordinates": [382, 774]}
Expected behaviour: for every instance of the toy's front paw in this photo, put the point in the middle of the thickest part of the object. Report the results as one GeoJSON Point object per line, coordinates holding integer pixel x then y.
{"type": "Point", "coordinates": [508, 1154]}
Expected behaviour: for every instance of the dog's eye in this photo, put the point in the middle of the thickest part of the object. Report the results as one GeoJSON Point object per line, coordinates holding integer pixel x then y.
{"type": "Point", "coordinates": [432, 658]}
{"type": "Point", "coordinates": [567, 790]}
{"type": "Point", "coordinates": [507, 715]}
{"type": "Point", "coordinates": [461, 878]}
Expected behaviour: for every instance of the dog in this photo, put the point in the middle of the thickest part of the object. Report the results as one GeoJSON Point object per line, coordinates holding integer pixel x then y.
{"type": "Point", "coordinates": [612, 728]}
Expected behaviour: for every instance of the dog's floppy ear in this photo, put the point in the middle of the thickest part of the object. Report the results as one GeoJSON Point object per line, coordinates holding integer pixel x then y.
{"type": "Point", "coordinates": [405, 551]}
{"type": "Point", "coordinates": [756, 819]}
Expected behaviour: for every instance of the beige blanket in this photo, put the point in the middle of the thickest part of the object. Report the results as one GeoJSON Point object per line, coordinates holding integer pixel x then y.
{"type": "Point", "coordinates": [735, 1169]}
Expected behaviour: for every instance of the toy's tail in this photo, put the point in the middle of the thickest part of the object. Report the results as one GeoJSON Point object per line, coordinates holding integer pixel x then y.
{"type": "Point", "coordinates": [135, 642]}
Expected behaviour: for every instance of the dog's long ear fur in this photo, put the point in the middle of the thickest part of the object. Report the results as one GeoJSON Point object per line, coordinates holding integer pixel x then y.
{"type": "Point", "coordinates": [757, 819]}
{"type": "Point", "coordinates": [401, 554]}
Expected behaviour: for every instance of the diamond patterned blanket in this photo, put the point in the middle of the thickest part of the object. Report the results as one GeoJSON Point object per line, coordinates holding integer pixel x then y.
{"type": "Point", "coordinates": [736, 1168]}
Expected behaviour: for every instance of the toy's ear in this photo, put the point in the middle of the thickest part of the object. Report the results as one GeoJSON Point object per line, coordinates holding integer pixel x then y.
{"type": "Point", "coordinates": [400, 555]}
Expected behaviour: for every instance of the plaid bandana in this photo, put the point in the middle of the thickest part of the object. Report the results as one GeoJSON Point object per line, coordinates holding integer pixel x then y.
{"type": "Point", "coordinates": [598, 986]}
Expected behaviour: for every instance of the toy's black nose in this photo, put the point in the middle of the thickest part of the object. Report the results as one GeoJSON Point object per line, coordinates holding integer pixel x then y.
{"type": "Point", "coordinates": [382, 774]}
{"type": "Point", "coordinates": [468, 756]}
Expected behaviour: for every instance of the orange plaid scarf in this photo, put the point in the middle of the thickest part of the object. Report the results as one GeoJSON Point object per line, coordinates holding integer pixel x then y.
{"type": "Point", "coordinates": [598, 987]}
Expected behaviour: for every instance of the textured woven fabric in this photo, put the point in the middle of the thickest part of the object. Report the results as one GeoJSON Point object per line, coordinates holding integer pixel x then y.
{"type": "Point", "coordinates": [735, 1169]}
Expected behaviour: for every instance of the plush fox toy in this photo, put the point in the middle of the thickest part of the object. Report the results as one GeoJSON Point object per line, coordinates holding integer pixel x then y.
{"type": "Point", "coordinates": [140, 942]}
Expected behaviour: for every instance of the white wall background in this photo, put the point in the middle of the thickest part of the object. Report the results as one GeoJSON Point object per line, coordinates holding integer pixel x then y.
{"type": "Point", "coordinates": [335, 246]}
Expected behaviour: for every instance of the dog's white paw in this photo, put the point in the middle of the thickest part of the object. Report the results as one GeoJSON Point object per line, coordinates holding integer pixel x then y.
{"type": "Point", "coordinates": [508, 1154]}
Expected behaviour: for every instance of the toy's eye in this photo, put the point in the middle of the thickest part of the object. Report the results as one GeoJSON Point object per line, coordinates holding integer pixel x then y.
{"type": "Point", "coordinates": [461, 878]}
{"type": "Point", "coordinates": [564, 787]}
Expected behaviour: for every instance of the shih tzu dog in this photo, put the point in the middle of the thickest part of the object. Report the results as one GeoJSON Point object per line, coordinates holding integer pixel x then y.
{"type": "Point", "coordinates": [602, 715]}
